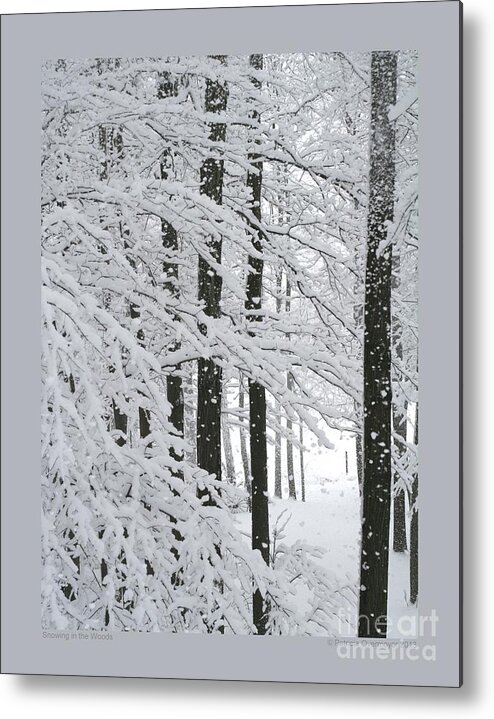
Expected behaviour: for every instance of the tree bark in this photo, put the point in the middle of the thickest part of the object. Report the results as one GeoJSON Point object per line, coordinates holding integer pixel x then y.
{"type": "Point", "coordinates": [399, 522]}
{"type": "Point", "coordinates": [292, 492]}
{"type": "Point", "coordinates": [277, 438]}
{"type": "Point", "coordinates": [209, 378]}
{"type": "Point", "coordinates": [243, 444]}
{"type": "Point", "coordinates": [168, 87]}
{"type": "Point", "coordinates": [399, 425]}
{"type": "Point", "coordinates": [377, 355]}
{"type": "Point", "coordinates": [227, 443]}
{"type": "Point", "coordinates": [106, 143]}
{"type": "Point", "coordinates": [257, 393]}
{"type": "Point", "coordinates": [120, 420]}
{"type": "Point", "coordinates": [135, 313]}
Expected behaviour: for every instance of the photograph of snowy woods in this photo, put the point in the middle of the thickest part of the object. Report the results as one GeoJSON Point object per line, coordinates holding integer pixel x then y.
{"type": "Point", "coordinates": [229, 270]}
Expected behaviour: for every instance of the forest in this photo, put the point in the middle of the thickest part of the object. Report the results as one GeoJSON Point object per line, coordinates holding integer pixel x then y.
{"type": "Point", "coordinates": [229, 343]}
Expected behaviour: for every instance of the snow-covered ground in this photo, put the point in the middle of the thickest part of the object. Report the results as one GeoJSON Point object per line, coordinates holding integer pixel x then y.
{"type": "Point", "coordinates": [330, 519]}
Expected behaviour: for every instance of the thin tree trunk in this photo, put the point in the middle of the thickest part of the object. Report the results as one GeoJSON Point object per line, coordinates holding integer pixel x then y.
{"type": "Point", "coordinates": [209, 379]}
{"type": "Point", "coordinates": [399, 522]}
{"type": "Point", "coordinates": [143, 414]}
{"type": "Point", "coordinates": [144, 431]}
{"type": "Point", "coordinates": [414, 524]}
{"type": "Point", "coordinates": [105, 137]}
{"type": "Point", "coordinates": [243, 444]}
{"type": "Point", "coordinates": [399, 425]}
{"type": "Point", "coordinates": [209, 373]}
{"type": "Point", "coordinates": [277, 437]}
{"type": "Point", "coordinates": [257, 393]}
{"type": "Point", "coordinates": [68, 589]}
{"type": "Point", "coordinates": [168, 87]}
{"type": "Point", "coordinates": [135, 313]}
{"type": "Point", "coordinates": [377, 355]}
{"type": "Point", "coordinates": [292, 492]}
{"type": "Point", "coordinates": [227, 443]}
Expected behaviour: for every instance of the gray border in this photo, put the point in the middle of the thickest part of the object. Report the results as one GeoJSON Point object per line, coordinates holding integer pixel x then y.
{"type": "Point", "coordinates": [431, 28]}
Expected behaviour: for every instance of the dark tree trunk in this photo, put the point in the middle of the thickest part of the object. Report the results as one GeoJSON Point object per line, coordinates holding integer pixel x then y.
{"type": "Point", "coordinates": [292, 492]}
{"type": "Point", "coordinates": [399, 422]}
{"type": "Point", "coordinates": [210, 284]}
{"type": "Point", "coordinates": [257, 393]}
{"type": "Point", "coordinates": [144, 416]}
{"type": "Point", "coordinates": [144, 431]}
{"type": "Point", "coordinates": [399, 522]}
{"type": "Point", "coordinates": [209, 419]}
{"type": "Point", "coordinates": [414, 524]}
{"type": "Point", "coordinates": [260, 512]}
{"type": "Point", "coordinates": [168, 87]}
{"type": "Point", "coordinates": [277, 437]}
{"type": "Point", "coordinates": [302, 468]}
{"type": "Point", "coordinates": [377, 355]}
{"type": "Point", "coordinates": [290, 470]}
{"type": "Point", "coordinates": [68, 589]}
{"type": "Point", "coordinates": [107, 146]}
{"type": "Point", "coordinates": [243, 445]}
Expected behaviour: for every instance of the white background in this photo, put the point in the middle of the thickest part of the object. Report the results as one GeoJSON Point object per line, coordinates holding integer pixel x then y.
{"type": "Point", "coordinates": [72, 698]}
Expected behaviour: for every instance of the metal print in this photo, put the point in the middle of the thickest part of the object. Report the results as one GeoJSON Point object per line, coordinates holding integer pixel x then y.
{"type": "Point", "coordinates": [231, 351]}
{"type": "Point", "coordinates": [230, 343]}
